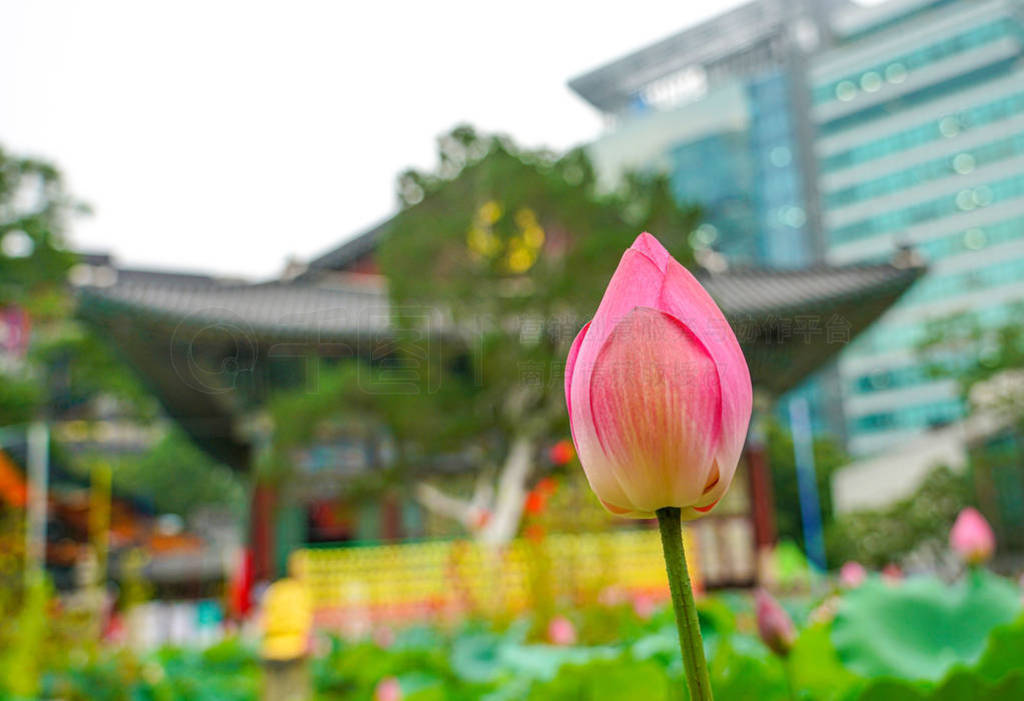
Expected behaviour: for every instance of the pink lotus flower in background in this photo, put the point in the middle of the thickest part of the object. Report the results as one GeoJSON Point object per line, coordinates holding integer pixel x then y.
{"type": "Point", "coordinates": [773, 624]}
{"type": "Point", "coordinates": [387, 689]}
{"type": "Point", "coordinates": [852, 575]}
{"type": "Point", "coordinates": [971, 537]}
{"type": "Point", "coordinates": [658, 390]}
{"type": "Point", "coordinates": [892, 574]}
{"type": "Point", "coordinates": [644, 606]}
{"type": "Point", "coordinates": [561, 631]}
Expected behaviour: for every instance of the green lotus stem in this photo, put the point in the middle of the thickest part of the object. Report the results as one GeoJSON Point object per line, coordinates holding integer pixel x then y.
{"type": "Point", "coordinates": [787, 667]}
{"type": "Point", "coordinates": [690, 642]}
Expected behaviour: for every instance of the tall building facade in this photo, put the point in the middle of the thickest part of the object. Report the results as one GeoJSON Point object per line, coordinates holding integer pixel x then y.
{"type": "Point", "coordinates": [919, 115]}
{"type": "Point", "coordinates": [723, 109]}
{"type": "Point", "coordinates": [833, 132]}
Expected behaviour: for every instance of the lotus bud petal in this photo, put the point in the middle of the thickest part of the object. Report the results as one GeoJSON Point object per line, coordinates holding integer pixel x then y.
{"type": "Point", "coordinates": [658, 390]}
{"type": "Point", "coordinates": [773, 624]}
{"type": "Point", "coordinates": [971, 537]}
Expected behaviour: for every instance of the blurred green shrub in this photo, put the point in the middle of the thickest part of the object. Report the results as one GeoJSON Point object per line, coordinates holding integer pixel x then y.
{"type": "Point", "coordinates": [920, 522]}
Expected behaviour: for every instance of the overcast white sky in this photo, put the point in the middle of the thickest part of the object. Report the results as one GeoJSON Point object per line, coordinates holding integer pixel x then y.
{"type": "Point", "coordinates": [226, 136]}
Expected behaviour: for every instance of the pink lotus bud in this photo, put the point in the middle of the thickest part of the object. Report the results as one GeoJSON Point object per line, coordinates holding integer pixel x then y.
{"type": "Point", "coordinates": [773, 624]}
{"type": "Point", "coordinates": [658, 390]}
{"type": "Point", "coordinates": [644, 606]}
{"type": "Point", "coordinates": [561, 631]}
{"type": "Point", "coordinates": [852, 575]}
{"type": "Point", "coordinates": [892, 574]}
{"type": "Point", "coordinates": [971, 537]}
{"type": "Point", "coordinates": [387, 689]}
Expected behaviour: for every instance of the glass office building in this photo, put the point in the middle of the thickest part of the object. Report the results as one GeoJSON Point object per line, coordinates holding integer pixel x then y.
{"type": "Point", "coordinates": [723, 109]}
{"type": "Point", "coordinates": [919, 114]}
{"type": "Point", "coordinates": [828, 131]}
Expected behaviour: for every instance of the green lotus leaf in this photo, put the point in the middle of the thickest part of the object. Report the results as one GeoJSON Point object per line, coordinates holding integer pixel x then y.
{"type": "Point", "coordinates": [921, 627]}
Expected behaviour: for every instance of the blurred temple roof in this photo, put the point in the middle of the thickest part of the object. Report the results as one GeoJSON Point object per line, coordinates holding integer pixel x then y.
{"type": "Point", "coordinates": [213, 349]}
{"type": "Point", "coordinates": [265, 310]}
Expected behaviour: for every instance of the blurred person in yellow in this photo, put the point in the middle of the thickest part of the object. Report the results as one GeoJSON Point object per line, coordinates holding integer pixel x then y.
{"type": "Point", "coordinates": [287, 622]}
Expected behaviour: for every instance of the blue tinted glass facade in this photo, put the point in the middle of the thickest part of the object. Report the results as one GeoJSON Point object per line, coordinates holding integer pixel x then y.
{"type": "Point", "coordinates": [749, 183]}
{"type": "Point", "coordinates": [923, 57]}
{"type": "Point", "coordinates": [932, 130]}
{"type": "Point", "coordinates": [751, 189]}
{"type": "Point", "coordinates": [948, 180]}
{"type": "Point", "coordinates": [964, 81]}
{"type": "Point", "coordinates": [778, 183]}
{"type": "Point", "coordinates": [716, 172]}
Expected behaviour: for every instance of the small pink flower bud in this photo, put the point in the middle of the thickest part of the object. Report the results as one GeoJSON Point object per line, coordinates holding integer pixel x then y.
{"type": "Point", "coordinates": [561, 631]}
{"type": "Point", "coordinates": [971, 537]}
{"type": "Point", "coordinates": [773, 624]}
{"type": "Point", "coordinates": [892, 574]}
{"type": "Point", "coordinates": [852, 575]}
{"type": "Point", "coordinates": [388, 689]}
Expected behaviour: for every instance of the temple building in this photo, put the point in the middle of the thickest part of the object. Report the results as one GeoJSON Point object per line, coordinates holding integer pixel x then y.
{"type": "Point", "coordinates": [214, 351]}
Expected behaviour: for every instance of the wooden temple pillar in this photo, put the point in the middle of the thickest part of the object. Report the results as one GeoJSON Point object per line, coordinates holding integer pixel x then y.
{"type": "Point", "coordinates": [261, 532]}
{"type": "Point", "coordinates": [762, 495]}
{"type": "Point", "coordinates": [391, 517]}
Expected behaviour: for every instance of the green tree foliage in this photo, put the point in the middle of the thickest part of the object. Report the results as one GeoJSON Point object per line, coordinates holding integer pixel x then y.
{"type": "Point", "coordinates": [493, 264]}
{"type": "Point", "coordinates": [34, 211]}
{"type": "Point", "coordinates": [876, 538]}
{"type": "Point", "coordinates": [19, 399]}
{"type": "Point", "coordinates": [82, 366]}
{"type": "Point", "coordinates": [507, 252]}
{"type": "Point", "coordinates": [961, 347]}
{"type": "Point", "coordinates": [176, 477]}
{"type": "Point", "coordinates": [66, 364]}
{"type": "Point", "coordinates": [987, 362]}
